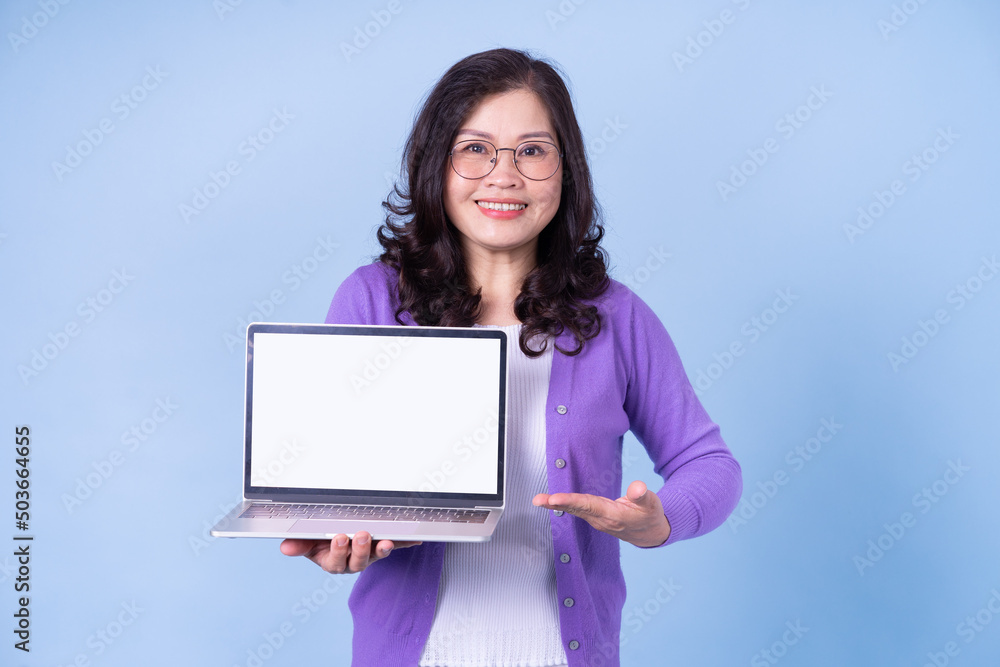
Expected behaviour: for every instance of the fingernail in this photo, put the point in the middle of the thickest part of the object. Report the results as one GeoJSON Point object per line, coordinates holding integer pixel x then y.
{"type": "Point", "coordinates": [363, 540]}
{"type": "Point", "coordinates": [342, 541]}
{"type": "Point", "coordinates": [386, 552]}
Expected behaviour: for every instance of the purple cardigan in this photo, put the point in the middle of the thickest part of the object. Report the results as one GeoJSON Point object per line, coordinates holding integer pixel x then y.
{"type": "Point", "coordinates": [627, 378]}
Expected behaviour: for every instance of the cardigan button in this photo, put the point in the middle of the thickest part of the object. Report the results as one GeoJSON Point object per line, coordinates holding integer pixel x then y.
{"type": "Point", "coordinates": [561, 409]}
{"type": "Point", "coordinates": [560, 463]}
{"type": "Point", "coordinates": [573, 645]}
{"type": "Point", "coordinates": [558, 512]}
{"type": "Point", "coordinates": [568, 602]}
{"type": "Point", "coordinates": [564, 558]}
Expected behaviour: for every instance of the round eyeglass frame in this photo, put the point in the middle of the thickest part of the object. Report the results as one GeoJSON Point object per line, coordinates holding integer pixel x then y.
{"type": "Point", "coordinates": [496, 156]}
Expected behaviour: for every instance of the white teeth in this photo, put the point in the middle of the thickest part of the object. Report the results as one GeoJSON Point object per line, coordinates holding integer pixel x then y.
{"type": "Point", "coordinates": [493, 206]}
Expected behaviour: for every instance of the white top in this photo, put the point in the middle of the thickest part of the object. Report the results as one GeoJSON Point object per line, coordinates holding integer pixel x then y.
{"type": "Point", "coordinates": [497, 604]}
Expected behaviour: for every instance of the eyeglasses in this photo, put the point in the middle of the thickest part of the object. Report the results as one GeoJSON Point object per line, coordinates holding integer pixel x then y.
{"type": "Point", "coordinates": [535, 160]}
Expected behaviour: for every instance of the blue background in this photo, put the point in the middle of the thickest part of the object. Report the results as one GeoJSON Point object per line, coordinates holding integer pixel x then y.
{"type": "Point", "coordinates": [662, 133]}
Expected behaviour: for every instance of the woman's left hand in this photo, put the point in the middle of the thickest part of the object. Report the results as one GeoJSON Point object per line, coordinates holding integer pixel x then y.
{"type": "Point", "coordinates": [636, 518]}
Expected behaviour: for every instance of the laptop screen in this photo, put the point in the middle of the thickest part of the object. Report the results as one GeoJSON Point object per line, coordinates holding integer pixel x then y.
{"type": "Point", "coordinates": [375, 411]}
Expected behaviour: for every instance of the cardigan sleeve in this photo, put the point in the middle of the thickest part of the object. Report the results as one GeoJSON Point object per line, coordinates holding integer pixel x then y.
{"type": "Point", "coordinates": [363, 297]}
{"type": "Point", "coordinates": [702, 480]}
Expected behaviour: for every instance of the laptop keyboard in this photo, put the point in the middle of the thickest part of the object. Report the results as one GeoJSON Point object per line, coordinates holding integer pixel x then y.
{"type": "Point", "coordinates": [362, 512]}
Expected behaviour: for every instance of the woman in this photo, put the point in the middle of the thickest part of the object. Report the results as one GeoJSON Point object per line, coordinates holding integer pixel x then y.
{"type": "Point", "coordinates": [499, 227]}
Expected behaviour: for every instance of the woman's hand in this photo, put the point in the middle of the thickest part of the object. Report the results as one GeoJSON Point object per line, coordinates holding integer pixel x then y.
{"type": "Point", "coordinates": [636, 518]}
{"type": "Point", "coordinates": [342, 555]}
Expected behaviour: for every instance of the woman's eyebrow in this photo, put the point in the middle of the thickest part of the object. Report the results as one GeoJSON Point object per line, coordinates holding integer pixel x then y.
{"type": "Point", "coordinates": [528, 135]}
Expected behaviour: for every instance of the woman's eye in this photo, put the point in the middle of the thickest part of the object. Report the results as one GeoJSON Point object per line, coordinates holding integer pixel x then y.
{"type": "Point", "coordinates": [533, 151]}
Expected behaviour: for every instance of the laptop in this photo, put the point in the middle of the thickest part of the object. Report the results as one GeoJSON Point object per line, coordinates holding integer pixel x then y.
{"type": "Point", "coordinates": [396, 430]}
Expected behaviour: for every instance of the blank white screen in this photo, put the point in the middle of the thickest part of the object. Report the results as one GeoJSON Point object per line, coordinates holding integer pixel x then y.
{"type": "Point", "coordinates": [385, 413]}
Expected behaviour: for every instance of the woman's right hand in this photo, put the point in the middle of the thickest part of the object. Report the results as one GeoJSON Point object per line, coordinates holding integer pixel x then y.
{"type": "Point", "coordinates": [342, 555]}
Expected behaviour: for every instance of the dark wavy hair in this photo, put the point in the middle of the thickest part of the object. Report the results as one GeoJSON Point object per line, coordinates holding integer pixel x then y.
{"type": "Point", "coordinates": [421, 243]}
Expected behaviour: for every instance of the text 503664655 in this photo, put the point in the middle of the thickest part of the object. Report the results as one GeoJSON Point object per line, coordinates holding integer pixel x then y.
{"type": "Point", "coordinates": [22, 543]}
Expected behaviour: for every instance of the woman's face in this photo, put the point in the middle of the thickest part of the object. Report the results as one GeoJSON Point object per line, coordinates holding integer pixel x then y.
{"type": "Point", "coordinates": [505, 120]}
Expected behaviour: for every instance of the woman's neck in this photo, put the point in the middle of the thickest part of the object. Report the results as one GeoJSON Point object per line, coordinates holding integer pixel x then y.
{"type": "Point", "coordinates": [500, 277]}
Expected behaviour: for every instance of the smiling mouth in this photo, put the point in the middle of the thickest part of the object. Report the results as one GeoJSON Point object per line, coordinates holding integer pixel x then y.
{"type": "Point", "coordinates": [494, 206]}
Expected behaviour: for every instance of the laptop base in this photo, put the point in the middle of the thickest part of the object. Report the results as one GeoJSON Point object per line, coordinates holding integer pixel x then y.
{"type": "Point", "coordinates": [232, 525]}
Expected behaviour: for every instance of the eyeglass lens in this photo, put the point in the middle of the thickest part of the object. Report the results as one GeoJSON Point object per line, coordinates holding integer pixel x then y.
{"type": "Point", "coordinates": [536, 160]}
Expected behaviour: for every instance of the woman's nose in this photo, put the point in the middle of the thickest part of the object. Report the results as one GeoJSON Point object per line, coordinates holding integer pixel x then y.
{"type": "Point", "coordinates": [504, 171]}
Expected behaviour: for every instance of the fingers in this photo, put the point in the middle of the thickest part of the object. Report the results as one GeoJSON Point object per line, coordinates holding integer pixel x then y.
{"type": "Point", "coordinates": [582, 504]}
{"type": "Point", "coordinates": [585, 504]}
{"type": "Point", "coordinates": [402, 545]}
{"type": "Point", "coordinates": [297, 547]}
{"type": "Point", "coordinates": [344, 555]}
{"type": "Point", "coordinates": [636, 491]}
{"type": "Point", "coordinates": [637, 517]}
{"type": "Point", "coordinates": [341, 554]}
{"type": "Point", "coordinates": [361, 552]}
{"type": "Point", "coordinates": [601, 513]}
{"type": "Point", "coordinates": [383, 549]}
{"type": "Point", "coordinates": [333, 556]}
{"type": "Point", "coordinates": [639, 495]}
